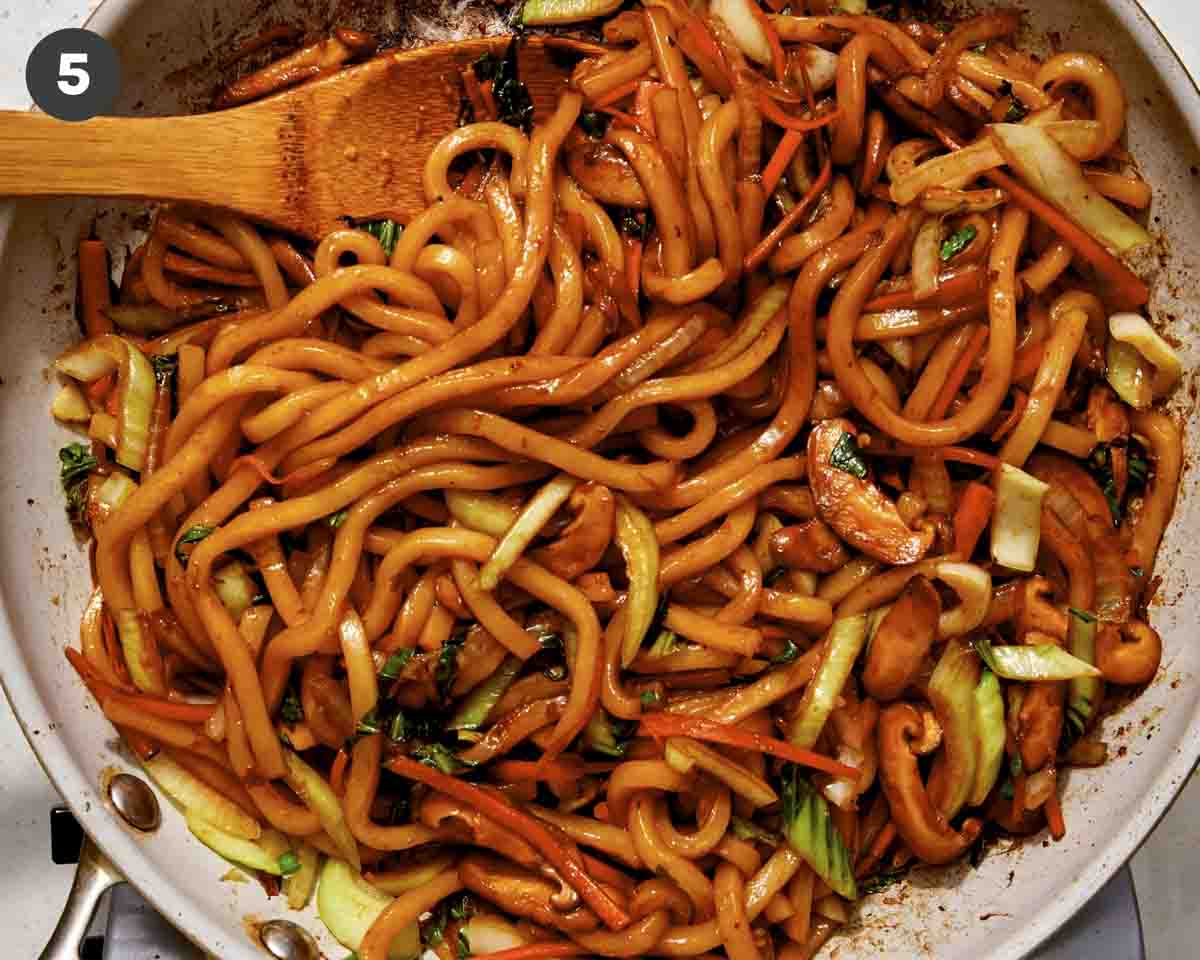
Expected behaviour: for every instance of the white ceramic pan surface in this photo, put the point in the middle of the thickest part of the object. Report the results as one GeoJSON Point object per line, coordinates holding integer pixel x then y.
{"type": "Point", "coordinates": [1003, 909]}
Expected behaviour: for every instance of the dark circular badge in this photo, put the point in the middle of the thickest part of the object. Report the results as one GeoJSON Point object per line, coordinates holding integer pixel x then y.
{"type": "Point", "coordinates": [73, 74]}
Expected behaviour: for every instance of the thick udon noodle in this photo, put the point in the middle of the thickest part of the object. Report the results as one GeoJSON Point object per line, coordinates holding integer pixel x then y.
{"type": "Point", "coordinates": [532, 419]}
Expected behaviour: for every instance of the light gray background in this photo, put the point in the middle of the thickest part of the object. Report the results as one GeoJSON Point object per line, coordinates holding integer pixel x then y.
{"type": "Point", "coordinates": [32, 890]}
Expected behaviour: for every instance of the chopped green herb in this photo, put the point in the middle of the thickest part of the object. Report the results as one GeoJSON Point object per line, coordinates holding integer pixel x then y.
{"type": "Point", "coordinates": [635, 223]}
{"type": "Point", "coordinates": [1137, 571]}
{"type": "Point", "coordinates": [748, 830]}
{"type": "Point", "coordinates": [1139, 468]}
{"type": "Point", "coordinates": [594, 124]}
{"type": "Point", "coordinates": [556, 671]}
{"type": "Point", "coordinates": [980, 48]}
{"type": "Point", "coordinates": [1007, 790]}
{"type": "Point", "coordinates": [164, 367]}
{"type": "Point", "coordinates": [440, 758]}
{"type": "Point", "coordinates": [847, 457]}
{"type": "Point", "coordinates": [774, 576]}
{"type": "Point", "coordinates": [446, 671]}
{"type": "Point", "coordinates": [881, 881]}
{"type": "Point", "coordinates": [387, 232]}
{"type": "Point", "coordinates": [396, 663]}
{"type": "Point", "coordinates": [1076, 719]}
{"type": "Point", "coordinates": [335, 520]}
{"type": "Point", "coordinates": [957, 242]}
{"type": "Point", "coordinates": [291, 709]}
{"type": "Point", "coordinates": [790, 652]}
{"type": "Point", "coordinates": [75, 462]}
{"type": "Point", "coordinates": [454, 909]}
{"type": "Point", "coordinates": [1015, 767]}
{"type": "Point", "coordinates": [513, 103]}
{"type": "Point", "coordinates": [289, 863]}
{"type": "Point", "coordinates": [1016, 112]}
{"type": "Point", "coordinates": [191, 535]}
{"type": "Point", "coordinates": [666, 643]}
{"type": "Point", "coordinates": [369, 723]}
{"type": "Point", "coordinates": [414, 724]}
{"type": "Point", "coordinates": [1082, 615]}
{"type": "Point", "coordinates": [650, 699]}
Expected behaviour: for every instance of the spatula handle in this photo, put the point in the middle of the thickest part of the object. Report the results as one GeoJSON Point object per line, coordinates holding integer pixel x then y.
{"type": "Point", "coordinates": [200, 159]}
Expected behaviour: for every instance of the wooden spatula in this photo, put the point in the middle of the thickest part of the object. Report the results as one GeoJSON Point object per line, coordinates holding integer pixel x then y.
{"type": "Point", "coordinates": [352, 144]}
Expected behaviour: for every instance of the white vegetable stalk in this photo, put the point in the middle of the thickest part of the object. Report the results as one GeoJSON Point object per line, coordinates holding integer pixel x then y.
{"type": "Point", "coordinates": [1036, 157]}
{"type": "Point", "coordinates": [535, 515]}
{"type": "Point", "coordinates": [1134, 330]}
{"type": "Point", "coordinates": [1017, 522]}
{"type": "Point", "coordinates": [747, 32]}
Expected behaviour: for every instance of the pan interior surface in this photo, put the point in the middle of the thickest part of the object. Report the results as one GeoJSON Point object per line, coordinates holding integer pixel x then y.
{"type": "Point", "coordinates": [1001, 909]}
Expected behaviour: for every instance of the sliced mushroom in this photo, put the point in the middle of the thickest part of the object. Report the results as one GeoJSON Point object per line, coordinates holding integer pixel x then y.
{"type": "Point", "coordinates": [902, 641]}
{"type": "Point", "coordinates": [586, 537]}
{"type": "Point", "coordinates": [855, 508]}
{"type": "Point", "coordinates": [522, 893]}
{"type": "Point", "coordinates": [602, 171]}
{"type": "Point", "coordinates": [811, 545]}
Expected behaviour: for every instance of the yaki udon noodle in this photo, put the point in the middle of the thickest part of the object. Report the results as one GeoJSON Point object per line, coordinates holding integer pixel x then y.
{"type": "Point", "coordinates": [735, 487]}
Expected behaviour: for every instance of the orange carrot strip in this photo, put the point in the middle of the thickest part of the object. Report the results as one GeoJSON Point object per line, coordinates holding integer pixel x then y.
{"type": "Point", "coordinates": [94, 296]}
{"type": "Point", "coordinates": [617, 93]}
{"type": "Point", "coordinates": [559, 770]}
{"type": "Point", "coordinates": [486, 90]}
{"type": "Point", "coordinates": [878, 849]}
{"type": "Point", "coordinates": [971, 517]}
{"type": "Point", "coordinates": [698, 728]}
{"type": "Point", "coordinates": [168, 709]}
{"type": "Point", "coordinates": [606, 873]}
{"type": "Point", "coordinates": [563, 857]}
{"type": "Point", "coordinates": [1054, 815]}
{"type": "Point", "coordinates": [1028, 359]}
{"type": "Point", "coordinates": [778, 59]}
{"type": "Point", "coordinates": [337, 773]}
{"type": "Point", "coordinates": [143, 746]}
{"type": "Point", "coordinates": [780, 159]}
{"type": "Point", "coordinates": [958, 373]}
{"type": "Point", "coordinates": [703, 39]}
{"type": "Point", "coordinates": [953, 287]}
{"type": "Point", "coordinates": [756, 257]}
{"type": "Point", "coordinates": [776, 114]}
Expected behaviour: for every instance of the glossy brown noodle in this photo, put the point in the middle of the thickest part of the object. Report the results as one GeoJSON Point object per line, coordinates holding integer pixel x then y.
{"type": "Point", "coordinates": [606, 410]}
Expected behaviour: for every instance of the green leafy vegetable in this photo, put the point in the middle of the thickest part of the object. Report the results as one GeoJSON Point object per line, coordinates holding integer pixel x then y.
{"type": "Point", "coordinates": [811, 832]}
{"type": "Point", "coordinates": [666, 643]}
{"type": "Point", "coordinates": [847, 457]}
{"type": "Point", "coordinates": [290, 709]}
{"type": "Point", "coordinates": [406, 725]}
{"type": "Point", "coordinates": [594, 124]}
{"type": "Point", "coordinates": [1137, 571]}
{"type": "Point", "coordinates": [789, 653]}
{"type": "Point", "coordinates": [75, 462]}
{"type": "Point", "coordinates": [396, 663]}
{"type": "Point", "coordinates": [457, 908]}
{"type": "Point", "coordinates": [474, 711]}
{"type": "Point", "coordinates": [1082, 615]}
{"type": "Point", "coordinates": [289, 863]}
{"type": "Point", "coordinates": [957, 242]}
{"type": "Point", "coordinates": [1032, 663]}
{"type": "Point", "coordinates": [191, 535]}
{"type": "Point", "coordinates": [369, 723]}
{"type": "Point", "coordinates": [881, 881]}
{"type": "Point", "coordinates": [446, 671]}
{"type": "Point", "coordinates": [439, 757]}
{"type": "Point", "coordinates": [607, 736]}
{"type": "Point", "coordinates": [513, 103]}
{"type": "Point", "coordinates": [387, 232]}
{"type": "Point", "coordinates": [164, 367]}
{"type": "Point", "coordinates": [650, 699]}
{"type": "Point", "coordinates": [748, 830]}
{"type": "Point", "coordinates": [335, 520]}
{"type": "Point", "coordinates": [635, 223]}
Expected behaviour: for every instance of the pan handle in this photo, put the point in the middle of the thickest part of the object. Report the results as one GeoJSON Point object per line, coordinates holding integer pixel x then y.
{"type": "Point", "coordinates": [94, 876]}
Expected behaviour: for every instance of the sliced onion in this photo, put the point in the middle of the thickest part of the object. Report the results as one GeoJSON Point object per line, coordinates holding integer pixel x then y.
{"type": "Point", "coordinates": [747, 32]}
{"type": "Point", "coordinates": [926, 258]}
{"type": "Point", "coordinates": [546, 13]}
{"type": "Point", "coordinates": [1133, 329]}
{"type": "Point", "coordinates": [639, 547]}
{"type": "Point", "coordinates": [1128, 374]}
{"type": "Point", "coordinates": [533, 516]}
{"type": "Point", "coordinates": [1056, 176]}
{"type": "Point", "coordinates": [70, 405]}
{"type": "Point", "coordinates": [973, 585]}
{"type": "Point", "coordinates": [949, 170]}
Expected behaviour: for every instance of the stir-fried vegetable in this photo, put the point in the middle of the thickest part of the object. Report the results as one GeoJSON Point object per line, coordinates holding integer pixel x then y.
{"type": "Point", "coordinates": [1032, 662]}
{"type": "Point", "coordinates": [314, 790]}
{"type": "Point", "coordinates": [474, 711]}
{"type": "Point", "coordinates": [1084, 693]}
{"type": "Point", "coordinates": [513, 103]}
{"type": "Point", "coordinates": [348, 906]}
{"type": "Point", "coordinates": [533, 516]}
{"type": "Point", "coordinates": [1017, 520]}
{"type": "Point", "coordinates": [811, 832]}
{"type": "Point", "coordinates": [241, 851]}
{"type": "Point", "coordinates": [1057, 177]}
{"type": "Point", "coordinates": [135, 389]}
{"type": "Point", "coordinates": [639, 546]}
{"type": "Point", "coordinates": [843, 643]}
{"type": "Point", "coordinates": [547, 13]}
{"type": "Point", "coordinates": [957, 242]}
{"type": "Point", "coordinates": [299, 884]}
{"type": "Point", "coordinates": [989, 736]}
{"type": "Point", "coordinates": [234, 588]}
{"type": "Point", "coordinates": [191, 535]}
{"type": "Point", "coordinates": [387, 232]}
{"type": "Point", "coordinates": [1131, 330]}
{"type": "Point", "coordinates": [75, 463]}
{"type": "Point", "coordinates": [847, 457]}
{"type": "Point", "coordinates": [952, 690]}
{"type": "Point", "coordinates": [200, 800]}
{"type": "Point", "coordinates": [744, 27]}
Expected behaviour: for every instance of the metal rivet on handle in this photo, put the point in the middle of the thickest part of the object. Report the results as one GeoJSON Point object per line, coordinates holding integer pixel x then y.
{"type": "Point", "coordinates": [135, 801]}
{"type": "Point", "coordinates": [287, 941]}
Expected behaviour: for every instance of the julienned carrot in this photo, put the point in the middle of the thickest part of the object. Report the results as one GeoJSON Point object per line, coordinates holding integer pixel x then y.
{"type": "Point", "coordinates": [777, 115]}
{"type": "Point", "coordinates": [96, 685]}
{"type": "Point", "coordinates": [878, 849]}
{"type": "Point", "coordinates": [566, 859]}
{"type": "Point", "coordinates": [1028, 359]}
{"type": "Point", "coordinates": [953, 287]}
{"type": "Point", "coordinates": [958, 373]}
{"type": "Point", "coordinates": [972, 516]}
{"type": "Point", "coordinates": [633, 264]}
{"type": "Point", "coordinates": [606, 873]}
{"type": "Point", "coordinates": [702, 37]}
{"type": "Point", "coordinates": [489, 101]}
{"type": "Point", "coordinates": [1126, 291]}
{"type": "Point", "coordinates": [558, 770]}
{"type": "Point", "coordinates": [643, 113]}
{"type": "Point", "coordinates": [169, 709]}
{"type": "Point", "coordinates": [698, 728]}
{"type": "Point", "coordinates": [780, 159]}
{"type": "Point", "coordinates": [754, 259]}
{"type": "Point", "coordinates": [778, 58]}
{"type": "Point", "coordinates": [617, 93]}
{"type": "Point", "coordinates": [337, 772]}
{"type": "Point", "coordinates": [537, 951]}
{"type": "Point", "coordinates": [957, 454]}
{"type": "Point", "coordinates": [94, 296]}
{"type": "Point", "coordinates": [1054, 815]}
